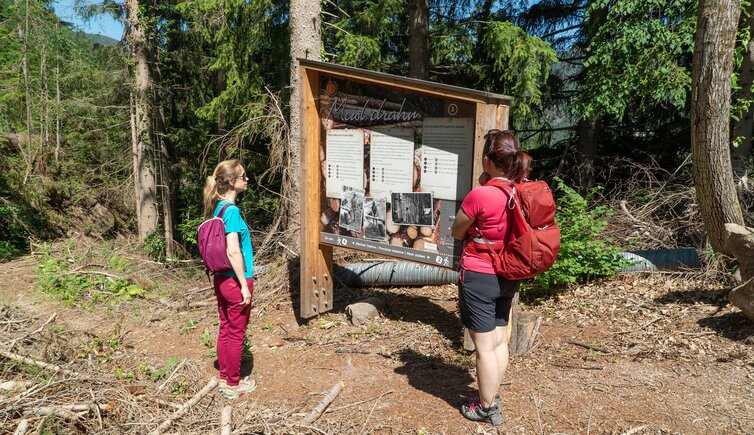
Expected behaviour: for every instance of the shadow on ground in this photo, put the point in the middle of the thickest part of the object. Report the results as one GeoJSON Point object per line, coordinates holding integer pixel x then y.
{"type": "Point", "coordinates": [734, 326]}
{"type": "Point", "coordinates": [434, 376]}
{"type": "Point", "coordinates": [718, 298]}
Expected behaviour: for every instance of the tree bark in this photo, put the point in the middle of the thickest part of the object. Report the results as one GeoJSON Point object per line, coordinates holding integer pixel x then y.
{"type": "Point", "coordinates": [710, 118]}
{"type": "Point", "coordinates": [57, 115]}
{"type": "Point", "coordinates": [44, 112]}
{"type": "Point", "coordinates": [23, 36]}
{"type": "Point", "coordinates": [587, 146]}
{"type": "Point", "coordinates": [305, 25]}
{"type": "Point", "coordinates": [144, 170]}
{"type": "Point", "coordinates": [744, 127]}
{"type": "Point", "coordinates": [135, 152]}
{"type": "Point", "coordinates": [588, 129]}
{"type": "Point", "coordinates": [418, 39]}
{"type": "Point", "coordinates": [166, 187]}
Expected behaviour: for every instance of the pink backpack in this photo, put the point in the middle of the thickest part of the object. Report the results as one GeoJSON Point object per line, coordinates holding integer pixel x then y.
{"type": "Point", "coordinates": [212, 245]}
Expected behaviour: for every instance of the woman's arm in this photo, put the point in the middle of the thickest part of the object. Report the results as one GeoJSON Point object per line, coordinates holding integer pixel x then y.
{"type": "Point", "coordinates": [461, 225]}
{"type": "Point", "coordinates": [235, 256]}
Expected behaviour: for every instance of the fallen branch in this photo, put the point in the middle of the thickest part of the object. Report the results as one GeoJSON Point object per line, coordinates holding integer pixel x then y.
{"type": "Point", "coordinates": [22, 427]}
{"type": "Point", "coordinates": [82, 407]}
{"type": "Point", "coordinates": [44, 365]}
{"type": "Point", "coordinates": [186, 406]}
{"type": "Point", "coordinates": [96, 272]}
{"type": "Point", "coordinates": [226, 420]}
{"type": "Point", "coordinates": [320, 408]}
{"type": "Point", "coordinates": [588, 346]}
{"type": "Point", "coordinates": [36, 331]}
{"type": "Point", "coordinates": [178, 367]}
{"type": "Point", "coordinates": [351, 351]}
{"type": "Point", "coordinates": [538, 406]}
{"type": "Point", "coordinates": [13, 385]}
{"type": "Point", "coordinates": [574, 366]}
{"type": "Point", "coordinates": [340, 408]}
{"type": "Point", "coordinates": [372, 411]}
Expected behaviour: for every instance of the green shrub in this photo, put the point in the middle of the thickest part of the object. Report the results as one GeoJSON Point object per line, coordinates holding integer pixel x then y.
{"type": "Point", "coordinates": [13, 236]}
{"type": "Point", "coordinates": [584, 254]}
{"type": "Point", "coordinates": [74, 288]}
{"type": "Point", "coordinates": [154, 245]}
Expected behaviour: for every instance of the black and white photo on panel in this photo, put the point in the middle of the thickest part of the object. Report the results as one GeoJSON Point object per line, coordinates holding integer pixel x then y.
{"type": "Point", "coordinates": [412, 208]}
{"type": "Point", "coordinates": [374, 218]}
{"type": "Point", "coordinates": [351, 208]}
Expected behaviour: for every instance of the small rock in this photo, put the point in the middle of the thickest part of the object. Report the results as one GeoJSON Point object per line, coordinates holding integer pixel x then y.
{"type": "Point", "coordinates": [275, 342]}
{"type": "Point", "coordinates": [363, 311]}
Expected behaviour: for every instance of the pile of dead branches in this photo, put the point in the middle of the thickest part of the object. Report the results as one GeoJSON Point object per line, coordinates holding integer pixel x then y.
{"type": "Point", "coordinates": [49, 385]}
{"type": "Point", "coordinates": [654, 208]}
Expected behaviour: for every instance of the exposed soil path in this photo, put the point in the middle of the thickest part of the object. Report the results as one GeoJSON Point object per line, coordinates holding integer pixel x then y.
{"type": "Point", "coordinates": [681, 360]}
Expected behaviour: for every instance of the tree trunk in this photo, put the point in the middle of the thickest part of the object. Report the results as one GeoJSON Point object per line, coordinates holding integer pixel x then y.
{"type": "Point", "coordinates": [305, 24]}
{"type": "Point", "coordinates": [23, 36]}
{"type": "Point", "coordinates": [135, 153]}
{"type": "Point", "coordinates": [710, 118]}
{"type": "Point", "coordinates": [166, 186]}
{"type": "Point", "coordinates": [57, 116]}
{"type": "Point", "coordinates": [418, 39]}
{"type": "Point", "coordinates": [44, 111]}
{"type": "Point", "coordinates": [588, 130]}
{"type": "Point", "coordinates": [588, 144]}
{"type": "Point", "coordinates": [743, 129]}
{"type": "Point", "coordinates": [144, 171]}
{"type": "Point", "coordinates": [222, 123]}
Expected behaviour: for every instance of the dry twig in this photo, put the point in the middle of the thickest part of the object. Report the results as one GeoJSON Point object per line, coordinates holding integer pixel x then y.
{"type": "Point", "coordinates": [181, 412]}
{"type": "Point", "coordinates": [320, 408]}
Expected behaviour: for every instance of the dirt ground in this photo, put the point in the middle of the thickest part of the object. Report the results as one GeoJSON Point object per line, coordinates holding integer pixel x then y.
{"type": "Point", "coordinates": [674, 357]}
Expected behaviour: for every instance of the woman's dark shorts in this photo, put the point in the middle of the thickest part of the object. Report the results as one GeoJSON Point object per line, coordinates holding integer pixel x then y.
{"type": "Point", "coordinates": [485, 300]}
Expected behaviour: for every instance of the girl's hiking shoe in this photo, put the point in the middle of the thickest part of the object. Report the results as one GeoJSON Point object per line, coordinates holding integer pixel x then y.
{"type": "Point", "coordinates": [475, 412]}
{"type": "Point", "coordinates": [245, 386]}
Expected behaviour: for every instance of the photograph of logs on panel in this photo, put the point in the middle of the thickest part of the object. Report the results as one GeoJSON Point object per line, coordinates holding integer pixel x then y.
{"type": "Point", "coordinates": [425, 238]}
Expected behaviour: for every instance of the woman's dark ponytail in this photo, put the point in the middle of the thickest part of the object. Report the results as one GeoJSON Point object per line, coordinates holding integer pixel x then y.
{"type": "Point", "coordinates": [504, 150]}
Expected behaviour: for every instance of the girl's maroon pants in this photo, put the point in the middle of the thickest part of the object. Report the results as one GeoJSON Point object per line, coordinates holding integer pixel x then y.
{"type": "Point", "coordinates": [234, 318]}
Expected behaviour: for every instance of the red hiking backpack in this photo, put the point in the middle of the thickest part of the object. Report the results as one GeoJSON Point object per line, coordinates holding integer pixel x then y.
{"type": "Point", "coordinates": [212, 244]}
{"type": "Point", "coordinates": [534, 240]}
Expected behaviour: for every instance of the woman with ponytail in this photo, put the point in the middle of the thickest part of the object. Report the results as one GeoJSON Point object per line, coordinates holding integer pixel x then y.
{"type": "Point", "coordinates": [484, 298]}
{"type": "Point", "coordinates": [233, 288]}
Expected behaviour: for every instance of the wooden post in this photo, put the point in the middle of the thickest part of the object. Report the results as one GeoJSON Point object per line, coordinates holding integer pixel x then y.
{"type": "Point", "coordinates": [316, 259]}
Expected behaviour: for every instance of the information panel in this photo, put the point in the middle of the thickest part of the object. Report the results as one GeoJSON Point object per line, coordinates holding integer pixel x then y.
{"type": "Point", "coordinates": [395, 168]}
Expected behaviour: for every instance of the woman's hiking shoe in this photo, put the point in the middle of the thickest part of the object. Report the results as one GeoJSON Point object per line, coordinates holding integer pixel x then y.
{"type": "Point", "coordinates": [474, 397]}
{"type": "Point", "coordinates": [475, 412]}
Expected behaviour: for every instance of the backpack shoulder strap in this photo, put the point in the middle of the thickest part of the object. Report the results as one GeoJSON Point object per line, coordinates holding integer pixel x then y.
{"type": "Point", "coordinates": [222, 210]}
{"type": "Point", "coordinates": [508, 187]}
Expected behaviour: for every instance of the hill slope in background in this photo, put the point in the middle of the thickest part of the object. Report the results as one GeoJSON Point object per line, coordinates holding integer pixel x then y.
{"type": "Point", "coordinates": [102, 40]}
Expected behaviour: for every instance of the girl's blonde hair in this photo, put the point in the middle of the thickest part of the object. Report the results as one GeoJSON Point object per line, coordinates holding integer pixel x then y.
{"type": "Point", "coordinates": [218, 184]}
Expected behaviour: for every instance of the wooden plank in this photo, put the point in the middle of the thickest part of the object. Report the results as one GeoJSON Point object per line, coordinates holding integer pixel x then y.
{"type": "Point", "coordinates": [412, 85]}
{"type": "Point", "coordinates": [502, 117]}
{"type": "Point", "coordinates": [486, 119]}
{"type": "Point", "coordinates": [309, 205]}
{"type": "Point", "coordinates": [316, 260]}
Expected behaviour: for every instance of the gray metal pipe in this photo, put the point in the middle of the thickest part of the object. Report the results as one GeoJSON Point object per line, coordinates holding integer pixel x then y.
{"type": "Point", "coordinates": [405, 273]}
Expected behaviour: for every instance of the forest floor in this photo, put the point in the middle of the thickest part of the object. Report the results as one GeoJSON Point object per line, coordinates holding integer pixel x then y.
{"type": "Point", "coordinates": [675, 357]}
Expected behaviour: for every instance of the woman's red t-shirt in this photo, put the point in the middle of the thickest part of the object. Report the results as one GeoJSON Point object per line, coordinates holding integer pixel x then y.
{"type": "Point", "coordinates": [487, 207]}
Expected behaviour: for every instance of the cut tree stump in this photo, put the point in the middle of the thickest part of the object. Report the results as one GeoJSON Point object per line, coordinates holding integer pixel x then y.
{"type": "Point", "coordinates": [522, 331]}
{"type": "Point", "coordinates": [740, 242]}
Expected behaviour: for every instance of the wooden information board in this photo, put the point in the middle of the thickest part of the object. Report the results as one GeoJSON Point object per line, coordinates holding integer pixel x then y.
{"type": "Point", "coordinates": [386, 162]}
